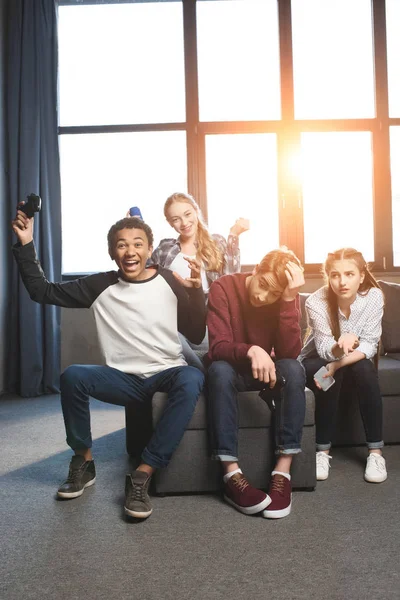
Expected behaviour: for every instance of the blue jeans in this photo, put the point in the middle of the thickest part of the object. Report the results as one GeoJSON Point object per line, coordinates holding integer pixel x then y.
{"type": "Point", "coordinates": [365, 380]}
{"type": "Point", "coordinates": [224, 383]}
{"type": "Point", "coordinates": [182, 384]}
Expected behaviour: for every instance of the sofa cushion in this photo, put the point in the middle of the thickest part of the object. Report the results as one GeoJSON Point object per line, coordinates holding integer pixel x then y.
{"type": "Point", "coordinates": [389, 376]}
{"type": "Point", "coordinates": [253, 412]}
{"type": "Point", "coordinates": [391, 319]}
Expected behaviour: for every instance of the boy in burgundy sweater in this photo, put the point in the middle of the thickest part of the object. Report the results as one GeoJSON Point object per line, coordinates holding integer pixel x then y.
{"type": "Point", "coordinates": [253, 317]}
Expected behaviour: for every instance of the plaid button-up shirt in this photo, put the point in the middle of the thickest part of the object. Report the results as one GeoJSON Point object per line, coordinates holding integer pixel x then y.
{"type": "Point", "coordinates": [169, 248]}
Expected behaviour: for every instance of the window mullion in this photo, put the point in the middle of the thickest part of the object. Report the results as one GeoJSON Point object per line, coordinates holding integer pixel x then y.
{"type": "Point", "coordinates": [381, 145]}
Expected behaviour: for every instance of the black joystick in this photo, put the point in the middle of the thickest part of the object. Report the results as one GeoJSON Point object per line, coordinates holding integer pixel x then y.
{"type": "Point", "coordinates": [31, 205]}
{"type": "Point", "coordinates": [271, 395]}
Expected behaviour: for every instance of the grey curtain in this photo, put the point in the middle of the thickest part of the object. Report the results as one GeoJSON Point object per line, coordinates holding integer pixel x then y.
{"type": "Point", "coordinates": [33, 166]}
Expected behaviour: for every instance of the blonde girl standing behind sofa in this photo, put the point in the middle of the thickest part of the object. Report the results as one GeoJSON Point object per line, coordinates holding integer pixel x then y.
{"type": "Point", "coordinates": [214, 255]}
{"type": "Point", "coordinates": [345, 320]}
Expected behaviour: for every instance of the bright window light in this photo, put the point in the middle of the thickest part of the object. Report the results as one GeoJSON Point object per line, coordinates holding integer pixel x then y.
{"type": "Point", "coordinates": [121, 64]}
{"type": "Point", "coordinates": [102, 176]}
{"type": "Point", "coordinates": [393, 52]}
{"type": "Point", "coordinates": [337, 193]}
{"type": "Point", "coordinates": [333, 59]}
{"type": "Point", "coordinates": [242, 181]}
{"type": "Point", "coordinates": [238, 60]}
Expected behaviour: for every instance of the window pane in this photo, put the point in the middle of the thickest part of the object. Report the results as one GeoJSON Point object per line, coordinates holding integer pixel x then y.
{"type": "Point", "coordinates": [337, 193]}
{"type": "Point", "coordinates": [242, 182]}
{"type": "Point", "coordinates": [121, 64]}
{"type": "Point", "coordinates": [102, 176]}
{"type": "Point", "coordinates": [333, 59]}
{"type": "Point", "coordinates": [394, 164]}
{"type": "Point", "coordinates": [238, 60]}
{"type": "Point", "coordinates": [393, 50]}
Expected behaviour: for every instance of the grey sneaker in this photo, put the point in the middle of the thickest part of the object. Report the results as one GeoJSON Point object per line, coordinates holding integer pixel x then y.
{"type": "Point", "coordinates": [137, 500]}
{"type": "Point", "coordinates": [81, 475]}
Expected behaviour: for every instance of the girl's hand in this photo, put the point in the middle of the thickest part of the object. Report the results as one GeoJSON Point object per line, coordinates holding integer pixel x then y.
{"type": "Point", "coordinates": [331, 367]}
{"type": "Point", "coordinates": [23, 228]}
{"type": "Point", "coordinates": [295, 277]}
{"type": "Point", "coordinates": [348, 342]}
{"type": "Point", "coordinates": [195, 274]}
{"type": "Point", "coordinates": [241, 225]}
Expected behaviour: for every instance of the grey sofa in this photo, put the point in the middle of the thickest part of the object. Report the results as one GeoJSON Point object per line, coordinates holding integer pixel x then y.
{"type": "Point", "coordinates": [191, 470]}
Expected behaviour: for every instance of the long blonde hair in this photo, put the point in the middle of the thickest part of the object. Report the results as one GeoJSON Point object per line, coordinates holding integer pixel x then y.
{"type": "Point", "coordinates": [208, 252]}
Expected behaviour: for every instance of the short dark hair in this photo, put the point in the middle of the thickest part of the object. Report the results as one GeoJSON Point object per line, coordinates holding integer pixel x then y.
{"type": "Point", "coordinates": [276, 261]}
{"type": "Point", "coordinates": [128, 223]}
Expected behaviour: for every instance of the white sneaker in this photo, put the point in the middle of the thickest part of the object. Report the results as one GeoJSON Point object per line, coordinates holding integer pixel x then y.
{"type": "Point", "coordinates": [323, 465]}
{"type": "Point", "coordinates": [375, 471]}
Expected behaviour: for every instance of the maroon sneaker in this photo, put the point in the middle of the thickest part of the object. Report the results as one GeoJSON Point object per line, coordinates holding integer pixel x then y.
{"type": "Point", "coordinates": [280, 490]}
{"type": "Point", "coordinates": [243, 496]}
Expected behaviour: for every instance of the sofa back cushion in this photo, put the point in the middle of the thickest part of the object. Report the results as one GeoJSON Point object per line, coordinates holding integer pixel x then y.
{"type": "Point", "coordinates": [391, 317]}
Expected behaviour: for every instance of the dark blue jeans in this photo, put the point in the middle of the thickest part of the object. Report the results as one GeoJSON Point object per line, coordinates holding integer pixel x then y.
{"type": "Point", "coordinates": [365, 380]}
{"type": "Point", "coordinates": [182, 384]}
{"type": "Point", "coordinates": [224, 383]}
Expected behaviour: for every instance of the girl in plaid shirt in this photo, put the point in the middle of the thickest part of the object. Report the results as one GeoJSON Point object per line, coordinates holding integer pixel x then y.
{"type": "Point", "coordinates": [215, 255]}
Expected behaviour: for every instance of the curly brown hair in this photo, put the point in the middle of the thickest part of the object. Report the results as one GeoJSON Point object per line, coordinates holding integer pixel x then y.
{"type": "Point", "coordinates": [128, 223]}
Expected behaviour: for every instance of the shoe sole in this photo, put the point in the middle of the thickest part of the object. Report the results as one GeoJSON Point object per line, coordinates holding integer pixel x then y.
{"type": "Point", "coordinates": [76, 494]}
{"type": "Point", "coordinates": [323, 478]}
{"type": "Point", "coordinates": [375, 480]}
{"type": "Point", "coordinates": [278, 514]}
{"type": "Point", "coordinates": [136, 514]}
{"type": "Point", "coordinates": [249, 510]}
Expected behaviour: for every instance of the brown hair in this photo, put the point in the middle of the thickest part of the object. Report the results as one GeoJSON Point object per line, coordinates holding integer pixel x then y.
{"type": "Point", "coordinates": [208, 251]}
{"type": "Point", "coordinates": [368, 283]}
{"type": "Point", "coordinates": [127, 223]}
{"type": "Point", "coordinates": [276, 262]}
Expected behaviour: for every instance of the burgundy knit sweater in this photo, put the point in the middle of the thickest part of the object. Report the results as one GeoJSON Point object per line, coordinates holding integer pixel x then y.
{"type": "Point", "coordinates": [234, 325]}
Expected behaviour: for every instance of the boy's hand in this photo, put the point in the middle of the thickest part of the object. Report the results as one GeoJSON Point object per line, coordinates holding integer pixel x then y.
{"type": "Point", "coordinates": [23, 228]}
{"type": "Point", "coordinates": [262, 365]}
{"type": "Point", "coordinates": [295, 277]}
{"type": "Point", "coordinates": [195, 274]}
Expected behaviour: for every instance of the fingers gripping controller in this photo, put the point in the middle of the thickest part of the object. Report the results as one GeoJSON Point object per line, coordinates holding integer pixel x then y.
{"type": "Point", "coordinates": [31, 205]}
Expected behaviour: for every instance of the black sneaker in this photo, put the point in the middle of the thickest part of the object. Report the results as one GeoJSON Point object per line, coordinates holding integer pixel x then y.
{"type": "Point", "coordinates": [82, 474]}
{"type": "Point", "coordinates": [137, 501]}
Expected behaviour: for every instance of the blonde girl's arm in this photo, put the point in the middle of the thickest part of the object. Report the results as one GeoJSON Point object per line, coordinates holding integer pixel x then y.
{"type": "Point", "coordinates": [230, 252]}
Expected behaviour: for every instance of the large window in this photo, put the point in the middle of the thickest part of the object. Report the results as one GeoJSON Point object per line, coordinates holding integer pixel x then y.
{"type": "Point", "coordinates": [285, 112]}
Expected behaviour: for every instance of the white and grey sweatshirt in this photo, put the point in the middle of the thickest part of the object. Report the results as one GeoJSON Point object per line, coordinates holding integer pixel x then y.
{"type": "Point", "coordinates": [137, 322]}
